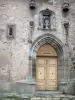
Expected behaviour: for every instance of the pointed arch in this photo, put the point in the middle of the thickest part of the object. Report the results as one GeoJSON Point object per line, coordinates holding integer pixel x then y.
{"type": "Point", "coordinates": [46, 38]}
{"type": "Point", "coordinates": [39, 42]}
{"type": "Point", "coordinates": [46, 50]}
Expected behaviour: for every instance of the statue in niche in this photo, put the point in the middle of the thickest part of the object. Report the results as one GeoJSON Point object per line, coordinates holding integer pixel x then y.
{"type": "Point", "coordinates": [47, 19]}
{"type": "Point", "coordinates": [46, 22]}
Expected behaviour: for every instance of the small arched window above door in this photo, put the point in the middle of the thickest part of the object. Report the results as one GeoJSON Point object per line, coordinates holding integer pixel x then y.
{"type": "Point", "coordinates": [47, 19]}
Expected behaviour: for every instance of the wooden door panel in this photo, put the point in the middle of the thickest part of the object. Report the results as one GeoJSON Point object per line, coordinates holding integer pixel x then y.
{"type": "Point", "coordinates": [51, 81]}
{"type": "Point", "coordinates": [40, 73]}
{"type": "Point", "coordinates": [41, 62]}
{"type": "Point", "coordinates": [46, 73]}
{"type": "Point", "coordinates": [40, 84]}
{"type": "Point", "coordinates": [52, 62]}
{"type": "Point", "coordinates": [51, 88]}
{"type": "Point", "coordinates": [51, 85]}
{"type": "Point", "coordinates": [51, 71]}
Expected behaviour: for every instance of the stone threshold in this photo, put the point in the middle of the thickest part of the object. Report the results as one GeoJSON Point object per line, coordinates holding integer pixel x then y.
{"type": "Point", "coordinates": [49, 92]}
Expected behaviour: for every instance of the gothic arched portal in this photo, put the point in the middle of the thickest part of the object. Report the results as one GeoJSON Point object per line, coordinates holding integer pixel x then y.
{"type": "Point", "coordinates": [46, 68]}
{"type": "Point", "coordinates": [46, 40]}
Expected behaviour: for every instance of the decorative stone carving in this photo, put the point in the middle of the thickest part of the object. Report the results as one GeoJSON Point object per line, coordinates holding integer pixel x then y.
{"type": "Point", "coordinates": [50, 1]}
{"type": "Point", "coordinates": [73, 60]}
{"type": "Point", "coordinates": [46, 22]}
{"type": "Point", "coordinates": [66, 25]}
{"type": "Point", "coordinates": [53, 21]}
{"type": "Point", "coordinates": [74, 65]}
{"type": "Point", "coordinates": [31, 31]}
{"type": "Point", "coordinates": [32, 4]}
{"type": "Point", "coordinates": [65, 7]}
{"type": "Point", "coordinates": [31, 24]}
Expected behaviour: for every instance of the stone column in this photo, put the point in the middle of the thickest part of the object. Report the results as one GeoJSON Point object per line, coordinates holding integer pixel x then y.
{"type": "Point", "coordinates": [30, 44]}
{"type": "Point", "coordinates": [30, 69]}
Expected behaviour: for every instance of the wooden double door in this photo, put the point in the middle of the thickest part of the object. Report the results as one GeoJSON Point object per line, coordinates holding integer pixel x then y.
{"type": "Point", "coordinates": [46, 73]}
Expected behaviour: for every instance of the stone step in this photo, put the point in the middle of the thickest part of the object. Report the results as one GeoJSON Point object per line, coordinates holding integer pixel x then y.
{"type": "Point", "coordinates": [15, 96]}
{"type": "Point", "coordinates": [58, 98]}
{"type": "Point", "coordinates": [37, 98]}
{"type": "Point", "coordinates": [46, 93]}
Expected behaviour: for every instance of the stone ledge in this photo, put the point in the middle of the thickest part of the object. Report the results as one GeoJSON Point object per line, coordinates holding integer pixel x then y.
{"type": "Point", "coordinates": [63, 83]}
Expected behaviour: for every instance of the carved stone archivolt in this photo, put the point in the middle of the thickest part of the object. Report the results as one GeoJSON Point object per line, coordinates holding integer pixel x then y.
{"type": "Point", "coordinates": [39, 42]}
{"type": "Point", "coordinates": [46, 38]}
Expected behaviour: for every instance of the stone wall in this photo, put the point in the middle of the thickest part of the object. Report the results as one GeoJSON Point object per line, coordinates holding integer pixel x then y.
{"type": "Point", "coordinates": [14, 53]}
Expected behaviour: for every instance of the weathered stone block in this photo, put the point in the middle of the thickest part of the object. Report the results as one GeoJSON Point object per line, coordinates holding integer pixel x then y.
{"type": "Point", "coordinates": [36, 98]}
{"type": "Point", "coordinates": [46, 98]}
{"type": "Point", "coordinates": [55, 98]}
{"type": "Point", "coordinates": [65, 98]}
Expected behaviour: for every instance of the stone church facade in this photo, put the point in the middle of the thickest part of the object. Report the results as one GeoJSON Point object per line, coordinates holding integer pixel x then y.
{"type": "Point", "coordinates": [37, 45]}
